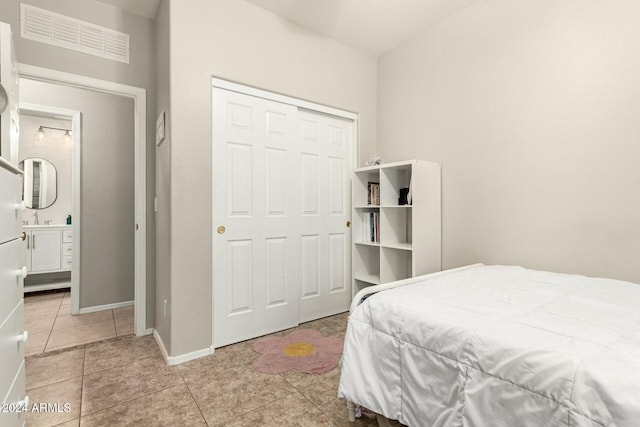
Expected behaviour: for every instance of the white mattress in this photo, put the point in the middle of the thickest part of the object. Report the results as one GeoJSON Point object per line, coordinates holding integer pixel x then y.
{"type": "Point", "coordinates": [498, 346]}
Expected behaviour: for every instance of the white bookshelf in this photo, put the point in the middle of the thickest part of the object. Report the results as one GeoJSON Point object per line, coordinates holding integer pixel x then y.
{"type": "Point", "coordinates": [408, 235]}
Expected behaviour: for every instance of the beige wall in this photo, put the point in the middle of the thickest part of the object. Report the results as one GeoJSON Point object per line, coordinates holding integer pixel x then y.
{"type": "Point", "coordinates": [140, 72]}
{"type": "Point", "coordinates": [235, 40]}
{"type": "Point", "coordinates": [533, 109]}
{"type": "Point", "coordinates": [107, 182]}
{"type": "Point", "coordinates": [163, 178]}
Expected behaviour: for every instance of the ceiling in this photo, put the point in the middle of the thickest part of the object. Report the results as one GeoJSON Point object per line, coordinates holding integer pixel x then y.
{"type": "Point", "coordinates": [146, 8]}
{"type": "Point", "coordinates": [374, 26]}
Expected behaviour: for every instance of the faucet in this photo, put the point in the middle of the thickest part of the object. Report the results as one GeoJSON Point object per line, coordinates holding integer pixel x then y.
{"type": "Point", "coordinates": [35, 218]}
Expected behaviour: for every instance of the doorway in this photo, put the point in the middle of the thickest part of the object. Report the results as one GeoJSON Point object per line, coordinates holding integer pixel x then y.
{"type": "Point", "coordinates": [138, 226]}
{"type": "Point", "coordinates": [54, 134]}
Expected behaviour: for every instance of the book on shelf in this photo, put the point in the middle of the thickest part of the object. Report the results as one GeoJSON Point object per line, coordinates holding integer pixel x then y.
{"type": "Point", "coordinates": [373, 196]}
{"type": "Point", "coordinates": [372, 227]}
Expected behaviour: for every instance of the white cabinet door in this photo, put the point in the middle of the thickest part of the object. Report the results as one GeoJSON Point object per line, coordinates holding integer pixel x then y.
{"type": "Point", "coordinates": [45, 250]}
{"type": "Point", "coordinates": [325, 197]}
{"type": "Point", "coordinates": [255, 190]}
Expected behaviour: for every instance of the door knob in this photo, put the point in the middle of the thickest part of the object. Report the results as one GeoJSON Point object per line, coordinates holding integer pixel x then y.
{"type": "Point", "coordinates": [348, 224]}
{"type": "Point", "coordinates": [23, 337]}
{"type": "Point", "coordinates": [23, 236]}
{"type": "Point", "coordinates": [23, 272]}
{"type": "Point", "coordinates": [221, 229]}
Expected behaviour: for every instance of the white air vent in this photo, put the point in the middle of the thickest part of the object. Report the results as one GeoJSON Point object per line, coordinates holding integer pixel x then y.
{"type": "Point", "coordinates": [59, 30]}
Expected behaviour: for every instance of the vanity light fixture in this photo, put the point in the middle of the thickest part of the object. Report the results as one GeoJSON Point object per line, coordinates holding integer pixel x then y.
{"type": "Point", "coordinates": [67, 137]}
{"type": "Point", "coordinates": [41, 134]}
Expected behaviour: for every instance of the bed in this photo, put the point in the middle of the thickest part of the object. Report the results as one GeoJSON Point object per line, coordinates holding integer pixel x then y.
{"type": "Point", "coordinates": [496, 346]}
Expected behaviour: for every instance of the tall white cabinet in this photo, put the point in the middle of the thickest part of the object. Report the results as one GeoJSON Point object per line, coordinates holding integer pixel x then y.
{"type": "Point", "coordinates": [395, 239]}
{"type": "Point", "coordinates": [12, 268]}
{"type": "Point", "coordinates": [12, 273]}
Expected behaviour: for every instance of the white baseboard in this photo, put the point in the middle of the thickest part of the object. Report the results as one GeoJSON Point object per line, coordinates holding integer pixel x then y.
{"type": "Point", "coordinates": [176, 360]}
{"type": "Point", "coordinates": [59, 284]}
{"type": "Point", "coordinates": [95, 308]}
{"type": "Point", "coordinates": [163, 349]}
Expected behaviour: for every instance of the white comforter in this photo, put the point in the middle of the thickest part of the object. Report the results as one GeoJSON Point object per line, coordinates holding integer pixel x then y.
{"type": "Point", "coordinates": [498, 346]}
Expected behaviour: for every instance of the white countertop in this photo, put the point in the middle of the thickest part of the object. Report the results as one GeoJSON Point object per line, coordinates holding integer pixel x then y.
{"type": "Point", "coordinates": [31, 226]}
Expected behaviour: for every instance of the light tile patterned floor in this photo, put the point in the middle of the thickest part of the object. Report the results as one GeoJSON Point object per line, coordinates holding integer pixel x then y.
{"type": "Point", "coordinates": [51, 326]}
{"type": "Point", "coordinates": [125, 382]}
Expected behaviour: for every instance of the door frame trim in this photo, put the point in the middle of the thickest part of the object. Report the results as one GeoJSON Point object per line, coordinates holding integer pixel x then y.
{"type": "Point", "coordinates": [139, 97]}
{"type": "Point", "coordinates": [285, 99]}
{"type": "Point", "coordinates": [218, 83]}
{"type": "Point", "coordinates": [76, 167]}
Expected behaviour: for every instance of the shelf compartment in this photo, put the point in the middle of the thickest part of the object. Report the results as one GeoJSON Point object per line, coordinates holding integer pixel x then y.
{"type": "Point", "coordinates": [395, 226]}
{"type": "Point", "coordinates": [391, 181]}
{"type": "Point", "coordinates": [361, 180]}
{"type": "Point", "coordinates": [395, 264]}
{"type": "Point", "coordinates": [364, 282]}
{"type": "Point", "coordinates": [362, 227]}
{"type": "Point", "coordinates": [367, 243]}
{"type": "Point", "coordinates": [372, 279]}
{"type": "Point", "coordinates": [399, 246]}
{"type": "Point", "coordinates": [366, 263]}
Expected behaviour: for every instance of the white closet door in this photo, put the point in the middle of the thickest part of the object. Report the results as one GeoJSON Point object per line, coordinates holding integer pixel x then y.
{"type": "Point", "coordinates": [255, 178]}
{"type": "Point", "coordinates": [325, 168]}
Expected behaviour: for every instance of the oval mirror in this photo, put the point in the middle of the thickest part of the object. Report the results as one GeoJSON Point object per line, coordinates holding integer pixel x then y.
{"type": "Point", "coordinates": [40, 183]}
{"type": "Point", "coordinates": [4, 99]}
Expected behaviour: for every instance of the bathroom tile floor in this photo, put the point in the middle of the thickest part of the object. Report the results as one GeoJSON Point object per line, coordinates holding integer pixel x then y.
{"type": "Point", "coordinates": [125, 382]}
{"type": "Point", "coordinates": [48, 319]}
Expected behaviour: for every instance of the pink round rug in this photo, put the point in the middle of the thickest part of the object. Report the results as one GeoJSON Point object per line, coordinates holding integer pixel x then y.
{"type": "Point", "coordinates": [305, 350]}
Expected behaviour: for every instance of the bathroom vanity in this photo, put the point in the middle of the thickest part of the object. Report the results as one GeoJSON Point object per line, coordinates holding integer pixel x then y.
{"type": "Point", "coordinates": [48, 249]}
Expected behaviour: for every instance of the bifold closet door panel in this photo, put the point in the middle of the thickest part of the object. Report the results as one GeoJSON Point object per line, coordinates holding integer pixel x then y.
{"type": "Point", "coordinates": [325, 198]}
{"type": "Point", "coordinates": [255, 217]}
